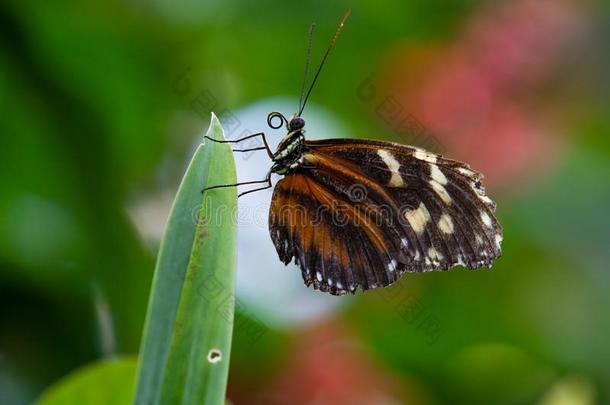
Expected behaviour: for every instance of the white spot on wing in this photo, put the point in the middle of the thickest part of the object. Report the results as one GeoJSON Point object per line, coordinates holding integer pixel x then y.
{"type": "Point", "coordinates": [418, 218]}
{"type": "Point", "coordinates": [435, 255]}
{"type": "Point", "coordinates": [466, 172]}
{"type": "Point", "coordinates": [486, 219]}
{"type": "Point", "coordinates": [445, 224]}
{"type": "Point", "coordinates": [437, 175]}
{"type": "Point", "coordinates": [486, 199]}
{"type": "Point", "coordinates": [392, 265]}
{"type": "Point", "coordinates": [424, 155]}
{"type": "Point", "coordinates": [441, 191]}
{"type": "Point", "coordinates": [319, 276]}
{"type": "Point", "coordinates": [404, 242]}
{"type": "Point", "coordinates": [498, 240]}
{"type": "Point", "coordinates": [394, 167]}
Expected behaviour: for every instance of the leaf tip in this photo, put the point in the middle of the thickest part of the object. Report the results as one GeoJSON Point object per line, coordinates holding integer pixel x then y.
{"type": "Point", "coordinates": [215, 130]}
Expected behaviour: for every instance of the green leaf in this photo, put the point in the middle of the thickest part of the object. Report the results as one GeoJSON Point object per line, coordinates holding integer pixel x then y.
{"type": "Point", "coordinates": [187, 337]}
{"type": "Point", "coordinates": [102, 382]}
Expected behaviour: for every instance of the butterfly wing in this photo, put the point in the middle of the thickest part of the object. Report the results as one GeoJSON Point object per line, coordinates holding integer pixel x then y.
{"type": "Point", "coordinates": [337, 248]}
{"type": "Point", "coordinates": [358, 214]}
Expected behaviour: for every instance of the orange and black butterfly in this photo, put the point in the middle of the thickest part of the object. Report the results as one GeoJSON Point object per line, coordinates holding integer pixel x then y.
{"type": "Point", "coordinates": [357, 214]}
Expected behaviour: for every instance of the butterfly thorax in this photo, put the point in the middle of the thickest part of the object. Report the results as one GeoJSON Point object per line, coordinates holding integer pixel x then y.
{"type": "Point", "coordinates": [288, 155]}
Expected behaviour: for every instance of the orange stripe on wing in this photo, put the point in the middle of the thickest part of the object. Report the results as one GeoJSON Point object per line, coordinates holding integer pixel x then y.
{"type": "Point", "coordinates": [327, 198]}
{"type": "Point", "coordinates": [286, 210]}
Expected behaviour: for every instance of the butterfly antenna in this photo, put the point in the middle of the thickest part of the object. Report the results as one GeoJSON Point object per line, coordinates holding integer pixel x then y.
{"type": "Point", "coordinates": [307, 60]}
{"type": "Point", "coordinates": [330, 46]}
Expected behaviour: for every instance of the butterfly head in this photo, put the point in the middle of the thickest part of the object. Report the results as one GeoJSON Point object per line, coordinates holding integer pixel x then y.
{"type": "Point", "coordinates": [295, 123]}
{"type": "Point", "coordinates": [288, 154]}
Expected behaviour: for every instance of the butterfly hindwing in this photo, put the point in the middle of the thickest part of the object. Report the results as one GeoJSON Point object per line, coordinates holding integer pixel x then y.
{"type": "Point", "coordinates": [373, 210]}
{"type": "Point", "coordinates": [337, 249]}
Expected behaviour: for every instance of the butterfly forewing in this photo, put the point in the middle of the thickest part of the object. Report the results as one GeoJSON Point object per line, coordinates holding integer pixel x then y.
{"type": "Point", "coordinates": [357, 214]}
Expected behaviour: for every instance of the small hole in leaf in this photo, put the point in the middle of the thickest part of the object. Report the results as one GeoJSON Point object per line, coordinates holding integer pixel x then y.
{"type": "Point", "coordinates": [214, 356]}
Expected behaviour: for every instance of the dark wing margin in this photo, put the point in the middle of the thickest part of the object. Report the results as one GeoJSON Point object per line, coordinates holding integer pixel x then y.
{"type": "Point", "coordinates": [360, 213]}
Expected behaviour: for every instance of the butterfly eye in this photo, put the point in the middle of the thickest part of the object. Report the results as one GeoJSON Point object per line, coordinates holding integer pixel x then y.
{"type": "Point", "coordinates": [296, 123]}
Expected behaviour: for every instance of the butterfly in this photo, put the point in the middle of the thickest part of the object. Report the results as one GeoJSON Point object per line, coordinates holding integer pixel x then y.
{"type": "Point", "coordinates": [357, 214]}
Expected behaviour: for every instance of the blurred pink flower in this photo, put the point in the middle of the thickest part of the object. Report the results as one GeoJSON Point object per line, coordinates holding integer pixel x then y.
{"type": "Point", "coordinates": [478, 95]}
{"type": "Point", "coordinates": [328, 366]}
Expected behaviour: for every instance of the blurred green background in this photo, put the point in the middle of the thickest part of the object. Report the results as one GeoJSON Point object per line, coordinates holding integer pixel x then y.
{"type": "Point", "coordinates": [101, 103]}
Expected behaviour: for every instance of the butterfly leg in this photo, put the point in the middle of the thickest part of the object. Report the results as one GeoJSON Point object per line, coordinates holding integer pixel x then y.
{"type": "Point", "coordinates": [269, 185]}
{"type": "Point", "coordinates": [266, 180]}
{"type": "Point", "coordinates": [249, 150]}
{"type": "Point", "coordinates": [261, 134]}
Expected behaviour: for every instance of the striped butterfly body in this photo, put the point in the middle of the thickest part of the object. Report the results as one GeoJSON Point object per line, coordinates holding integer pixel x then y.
{"type": "Point", "coordinates": [357, 214]}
